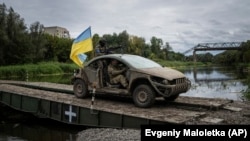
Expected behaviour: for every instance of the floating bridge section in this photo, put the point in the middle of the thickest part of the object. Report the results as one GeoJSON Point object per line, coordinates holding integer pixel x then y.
{"type": "Point", "coordinates": [56, 101]}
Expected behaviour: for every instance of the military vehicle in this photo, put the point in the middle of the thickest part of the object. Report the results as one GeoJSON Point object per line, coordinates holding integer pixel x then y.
{"type": "Point", "coordinates": [146, 78]}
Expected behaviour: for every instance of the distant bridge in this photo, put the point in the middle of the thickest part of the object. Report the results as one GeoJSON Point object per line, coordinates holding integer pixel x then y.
{"type": "Point", "coordinates": [214, 46]}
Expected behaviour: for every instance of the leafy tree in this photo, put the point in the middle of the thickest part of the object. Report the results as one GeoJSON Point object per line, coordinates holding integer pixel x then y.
{"type": "Point", "coordinates": [156, 44]}
{"type": "Point", "coordinates": [63, 49]}
{"type": "Point", "coordinates": [18, 45]}
{"type": "Point", "coordinates": [38, 41]}
{"type": "Point", "coordinates": [227, 57]}
{"type": "Point", "coordinates": [3, 35]}
{"type": "Point", "coordinates": [137, 45]}
{"type": "Point", "coordinates": [165, 51]}
{"type": "Point", "coordinates": [95, 39]}
{"type": "Point", "coordinates": [123, 40]}
{"type": "Point", "coordinates": [246, 52]}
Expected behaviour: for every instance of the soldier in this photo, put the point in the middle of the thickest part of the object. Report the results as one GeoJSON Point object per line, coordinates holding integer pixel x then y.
{"type": "Point", "coordinates": [115, 74]}
{"type": "Point", "coordinates": [101, 48]}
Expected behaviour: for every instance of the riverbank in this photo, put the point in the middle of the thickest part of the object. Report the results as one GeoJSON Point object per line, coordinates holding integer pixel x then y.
{"type": "Point", "coordinates": [56, 68]}
{"type": "Point", "coordinates": [40, 69]}
{"type": "Point", "coordinates": [180, 64]}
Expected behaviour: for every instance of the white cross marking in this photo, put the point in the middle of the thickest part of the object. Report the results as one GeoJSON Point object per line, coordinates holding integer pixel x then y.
{"type": "Point", "coordinates": [70, 113]}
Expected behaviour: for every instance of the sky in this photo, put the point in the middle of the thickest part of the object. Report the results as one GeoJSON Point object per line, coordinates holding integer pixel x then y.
{"type": "Point", "coordinates": [181, 23]}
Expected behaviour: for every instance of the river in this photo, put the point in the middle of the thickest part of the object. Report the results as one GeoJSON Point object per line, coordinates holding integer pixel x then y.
{"type": "Point", "coordinates": [210, 82]}
{"type": "Point", "coordinates": [217, 82]}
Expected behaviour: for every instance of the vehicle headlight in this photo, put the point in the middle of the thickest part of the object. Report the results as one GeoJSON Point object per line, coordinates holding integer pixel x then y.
{"type": "Point", "coordinates": [165, 82]}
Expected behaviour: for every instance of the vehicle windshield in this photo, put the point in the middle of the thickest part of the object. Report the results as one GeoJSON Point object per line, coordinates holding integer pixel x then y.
{"type": "Point", "coordinates": [140, 62]}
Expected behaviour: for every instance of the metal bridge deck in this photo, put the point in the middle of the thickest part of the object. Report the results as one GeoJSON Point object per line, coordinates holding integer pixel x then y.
{"type": "Point", "coordinates": [53, 101]}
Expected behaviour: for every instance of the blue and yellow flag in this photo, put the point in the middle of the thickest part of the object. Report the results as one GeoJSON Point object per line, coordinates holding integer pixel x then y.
{"type": "Point", "coordinates": [82, 44]}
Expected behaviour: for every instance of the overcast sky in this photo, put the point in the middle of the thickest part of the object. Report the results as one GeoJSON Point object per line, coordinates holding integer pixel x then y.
{"type": "Point", "coordinates": [182, 23]}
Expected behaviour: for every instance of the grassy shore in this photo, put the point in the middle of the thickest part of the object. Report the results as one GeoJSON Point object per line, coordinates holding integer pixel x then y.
{"type": "Point", "coordinates": [53, 68]}
{"type": "Point", "coordinates": [43, 68]}
{"type": "Point", "coordinates": [180, 64]}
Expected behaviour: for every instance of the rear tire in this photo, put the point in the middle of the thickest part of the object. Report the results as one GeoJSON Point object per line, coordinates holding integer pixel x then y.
{"type": "Point", "coordinates": [143, 96]}
{"type": "Point", "coordinates": [80, 88]}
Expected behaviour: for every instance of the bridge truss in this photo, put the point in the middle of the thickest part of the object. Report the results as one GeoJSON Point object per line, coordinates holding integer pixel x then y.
{"type": "Point", "coordinates": [214, 46]}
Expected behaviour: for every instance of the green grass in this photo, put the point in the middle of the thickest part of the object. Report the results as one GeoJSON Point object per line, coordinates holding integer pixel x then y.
{"type": "Point", "coordinates": [247, 94]}
{"type": "Point", "coordinates": [43, 68]}
{"type": "Point", "coordinates": [179, 64]}
{"type": "Point", "coordinates": [248, 64]}
{"type": "Point", "coordinates": [55, 68]}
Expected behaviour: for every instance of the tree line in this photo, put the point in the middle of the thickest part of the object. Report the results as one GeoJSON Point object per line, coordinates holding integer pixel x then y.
{"type": "Point", "coordinates": [22, 44]}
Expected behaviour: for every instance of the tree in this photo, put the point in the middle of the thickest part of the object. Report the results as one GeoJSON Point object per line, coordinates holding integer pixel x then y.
{"type": "Point", "coordinates": [18, 43]}
{"type": "Point", "coordinates": [137, 45]}
{"type": "Point", "coordinates": [63, 49]}
{"type": "Point", "coordinates": [3, 35]}
{"type": "Point", "coordinates": [38, 41]}
{"type": "Point", "coordinates": [165, 51]}
{"type": "Point", "coordinates": [123, 40]}
{"type": "Point", "coordinates": [246, 52]}
{"type": "Point", "coordinates": [156, 44]}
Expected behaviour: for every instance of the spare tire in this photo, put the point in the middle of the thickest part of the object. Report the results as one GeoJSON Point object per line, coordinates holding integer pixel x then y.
{"type": "Point", "coordinates": [80, 88]}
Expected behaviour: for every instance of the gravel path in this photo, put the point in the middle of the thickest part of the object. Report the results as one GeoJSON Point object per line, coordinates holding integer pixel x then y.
{"type": "Point", "coordinates": [109, 134]}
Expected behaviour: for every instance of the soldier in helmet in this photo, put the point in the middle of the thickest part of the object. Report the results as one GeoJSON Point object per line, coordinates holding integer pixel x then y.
{"type": "Point", "coordinates": [101, 48]}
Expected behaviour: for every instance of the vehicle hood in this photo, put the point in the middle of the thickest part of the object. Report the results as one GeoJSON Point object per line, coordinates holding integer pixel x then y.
{"type": "Point", "coordinates": [163, 72]}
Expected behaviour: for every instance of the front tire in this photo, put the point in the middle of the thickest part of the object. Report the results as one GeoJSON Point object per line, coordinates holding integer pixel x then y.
{"type": "Point", "coordinates": [80, 88]}
{"type": "Point", "coordinates": [143, 96]}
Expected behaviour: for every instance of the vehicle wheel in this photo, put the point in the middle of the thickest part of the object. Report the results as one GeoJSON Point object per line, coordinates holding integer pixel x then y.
{"type": "Point", "coordinates": [171, 98]}
{"type": "Point", "coordinates": [80, 88]}
{"type": "Point", "coordinates": [143, 96]}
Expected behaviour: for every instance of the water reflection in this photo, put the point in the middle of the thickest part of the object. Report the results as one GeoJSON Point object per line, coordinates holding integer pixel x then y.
{"type": "Point", "coordinates": [216, 82]}
{"type": "Point", "coordinates": [36, 132]}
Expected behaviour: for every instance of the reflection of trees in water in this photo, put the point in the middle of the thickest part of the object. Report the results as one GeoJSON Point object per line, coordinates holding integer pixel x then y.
{"type": "Point", "coordinates": [38, 132]}
{"type": "Point", "coordinates": [209, 73]}
{"type": "Point", "coordinates": [218, 82]}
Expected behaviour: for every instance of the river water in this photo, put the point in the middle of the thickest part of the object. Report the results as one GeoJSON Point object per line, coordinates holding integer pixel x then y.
{"type": "Point", "coordinates": [38, 130]}
{"type": "Point", "coordinates": [210, 82]}
{"type": "Point", "coordinates": [217, 82]}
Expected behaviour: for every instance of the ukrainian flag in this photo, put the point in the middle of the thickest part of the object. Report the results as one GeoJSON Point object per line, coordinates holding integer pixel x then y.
{"type": "Point", "coordinates": [81, 45]}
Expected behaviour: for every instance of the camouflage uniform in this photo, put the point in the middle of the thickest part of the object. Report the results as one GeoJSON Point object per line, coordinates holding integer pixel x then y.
{"type": "Point", "coordinates": [115, 75]}
{"type": "Point", "coordinates": [101, 48]}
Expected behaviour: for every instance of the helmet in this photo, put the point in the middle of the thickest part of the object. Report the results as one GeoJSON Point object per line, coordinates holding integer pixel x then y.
{"type": "Point", "coordinates": [102, 42]}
